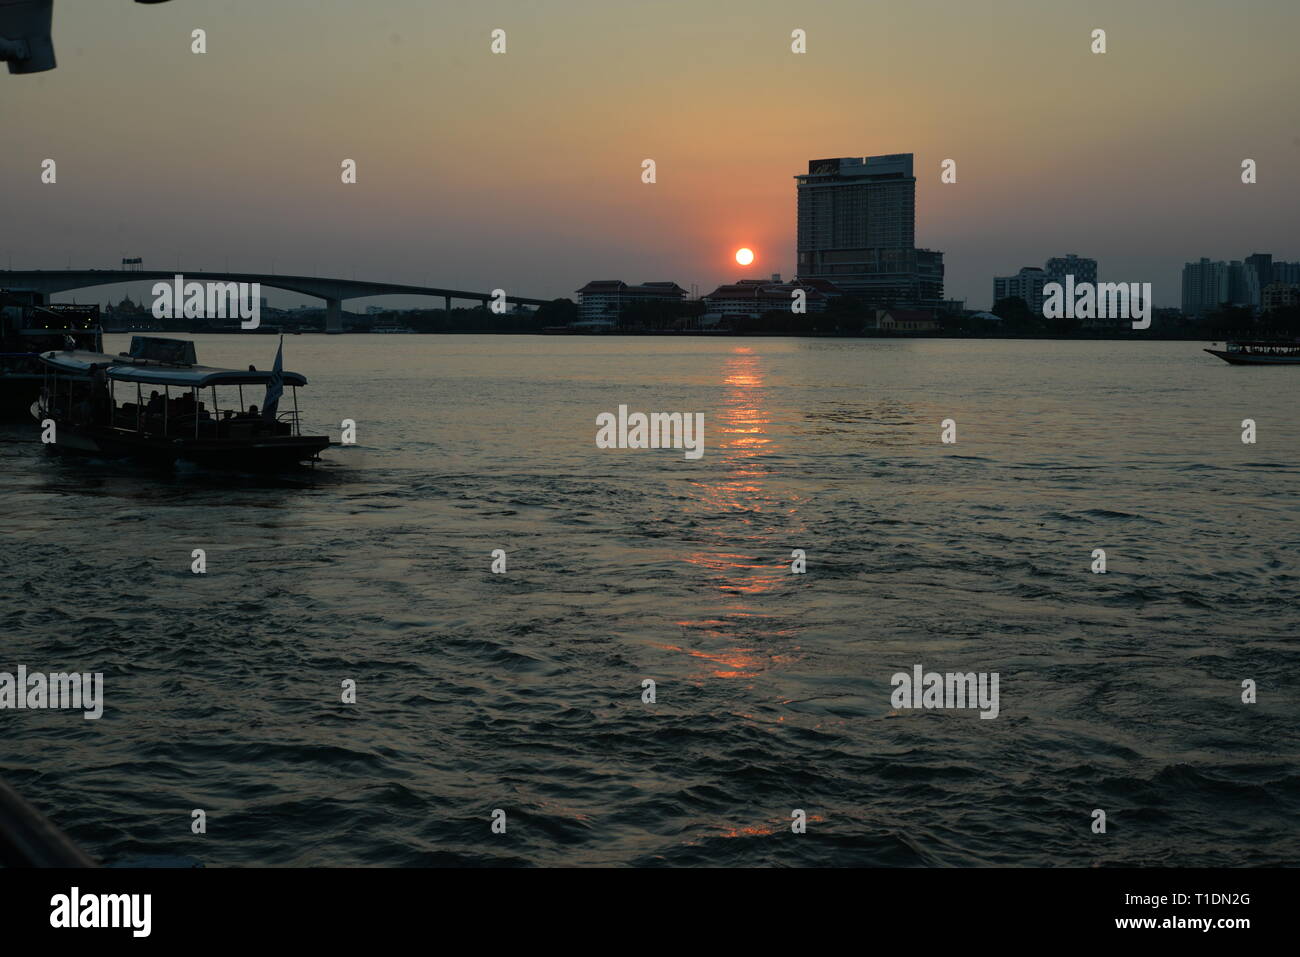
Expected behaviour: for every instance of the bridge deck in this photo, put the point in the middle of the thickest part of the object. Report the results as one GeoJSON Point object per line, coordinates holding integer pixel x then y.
{"type": "Point", "coordinates": [48, 281]}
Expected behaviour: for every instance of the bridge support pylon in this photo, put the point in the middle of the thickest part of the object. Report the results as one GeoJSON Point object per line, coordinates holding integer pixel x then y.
{"type": "Point", "coordinates": [333, 316]}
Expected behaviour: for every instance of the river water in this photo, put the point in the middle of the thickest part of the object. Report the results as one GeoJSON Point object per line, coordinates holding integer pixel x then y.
{"type": "Point", "coordinates": [523, 691]}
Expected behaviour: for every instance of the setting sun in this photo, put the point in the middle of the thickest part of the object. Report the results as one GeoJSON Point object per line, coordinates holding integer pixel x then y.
{"type": "Point", "coordinates": [744, 256]}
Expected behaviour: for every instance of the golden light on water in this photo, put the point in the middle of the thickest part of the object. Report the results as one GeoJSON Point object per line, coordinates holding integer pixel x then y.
{"type": "Point", "coordinates": [741, 640]}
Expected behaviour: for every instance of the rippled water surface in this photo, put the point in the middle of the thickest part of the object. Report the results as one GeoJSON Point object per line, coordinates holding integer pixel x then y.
{"type": "Point", "coordinates": [522, 691]}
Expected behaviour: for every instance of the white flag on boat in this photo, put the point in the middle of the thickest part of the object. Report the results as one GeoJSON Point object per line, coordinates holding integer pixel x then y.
{"type": "Point", "coordinates": [274, 385]}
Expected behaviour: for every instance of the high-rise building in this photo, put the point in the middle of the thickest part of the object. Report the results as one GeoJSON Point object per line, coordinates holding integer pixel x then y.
{"type": "Point", "coordinates": [1206, 286]}
{"type": "Point", "coordinates": [1026, 284]}
{"type": "Point", "coordinates": [1288, 273]}
{"type": "Point", "coordinates": [1082, 269]}
{"type": "Point", "coordinates": [1257, 273]}
{"type": "Point", "coordinates": [856, 226]}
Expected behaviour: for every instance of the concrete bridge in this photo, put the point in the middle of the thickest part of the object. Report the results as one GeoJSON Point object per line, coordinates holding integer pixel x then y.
{"type": "Point", "coordinates": [45, 282]}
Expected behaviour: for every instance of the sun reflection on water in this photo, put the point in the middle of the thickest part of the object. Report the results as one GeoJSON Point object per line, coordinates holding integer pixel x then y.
{"type": "Point", "coordinates": [736, 640]}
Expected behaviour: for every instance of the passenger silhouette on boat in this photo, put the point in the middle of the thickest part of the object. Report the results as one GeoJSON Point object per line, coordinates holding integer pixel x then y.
{"type": "Point", "coordinates": [155, 406]}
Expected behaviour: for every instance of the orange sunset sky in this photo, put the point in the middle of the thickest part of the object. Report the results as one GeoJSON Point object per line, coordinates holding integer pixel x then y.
{"type": "Point", "coordinates": [523, 170]}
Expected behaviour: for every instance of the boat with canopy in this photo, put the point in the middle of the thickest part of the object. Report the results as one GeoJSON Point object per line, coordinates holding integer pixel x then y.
{"type": "Point", "coordinates": [157, 403]}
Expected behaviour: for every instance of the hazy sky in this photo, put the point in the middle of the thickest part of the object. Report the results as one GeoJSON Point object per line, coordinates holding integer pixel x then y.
{"type": "Point", "coordinates": [522, 170]}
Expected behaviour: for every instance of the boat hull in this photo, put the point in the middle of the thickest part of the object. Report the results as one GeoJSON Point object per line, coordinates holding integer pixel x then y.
{"type": "Point", "coordinates": [1249, 359]}
{"type": "Point", "coordinates": [265, 453]}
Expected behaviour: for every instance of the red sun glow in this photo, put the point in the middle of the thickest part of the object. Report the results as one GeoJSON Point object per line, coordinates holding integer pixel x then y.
{"type": "Point", "coordinates": [744, 256]}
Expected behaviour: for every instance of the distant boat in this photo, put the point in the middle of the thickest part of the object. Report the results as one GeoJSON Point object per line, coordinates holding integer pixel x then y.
{"type": "Point", "coordinates": [1259, 352]}
{"type": "Point", "coordinates": [80, 395]}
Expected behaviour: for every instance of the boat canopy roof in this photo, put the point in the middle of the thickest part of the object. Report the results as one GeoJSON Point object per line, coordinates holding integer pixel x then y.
{"type": "Point", "coordinates": [123, 369]}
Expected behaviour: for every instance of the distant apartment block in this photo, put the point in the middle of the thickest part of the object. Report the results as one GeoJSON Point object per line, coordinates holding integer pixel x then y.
{"type": "Point", "coordinates": [1081, 268]}
{"type": "Point", "coordinates": [1209, 284]}
{"type": "Point", "coordinates": [607, 298]}
{"type": "Point", "coordinates": [1029, 282]}
{"type": "Point", "coordinates": [1281, 295]}
{"type": "Point", "coordinates": [1026, 284]}
{"type": "Point", "coordinates": [1257, 272]}
{"type": "Point", "coordinates": [856, 227]}
{"type": "Point", "coordinates": [1288, 273]}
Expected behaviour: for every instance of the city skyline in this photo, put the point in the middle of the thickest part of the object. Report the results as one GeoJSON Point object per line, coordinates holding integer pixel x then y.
{"type": "Point", "coordinates": [469, 175]}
